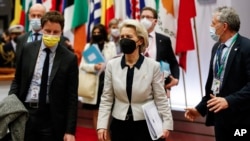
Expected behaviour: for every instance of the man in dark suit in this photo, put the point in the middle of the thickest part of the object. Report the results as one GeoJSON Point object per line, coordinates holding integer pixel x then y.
{"type": "Point", "coordinates": [160, 47]}
{"type": "Point", "coordinates": [227, 99]}
{"type": "Point", "coordinates": [51, 97]}
{"type": "Point", "coordinates": [36, 12]}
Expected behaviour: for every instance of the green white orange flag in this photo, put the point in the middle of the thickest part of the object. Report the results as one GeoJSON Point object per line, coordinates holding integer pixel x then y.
{"type": "Point", "coordinates": [80, 18]}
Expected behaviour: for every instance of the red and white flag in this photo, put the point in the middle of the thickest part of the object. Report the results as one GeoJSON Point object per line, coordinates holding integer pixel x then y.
{"type": "Point", "coordinates": [185, 38]}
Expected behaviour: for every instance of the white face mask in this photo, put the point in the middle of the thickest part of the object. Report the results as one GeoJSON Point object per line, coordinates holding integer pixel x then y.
{"type": "Point", "coordinates": [35, 24]}
{"type": "Point", "coordinates": [213, 34]}
{"type": "Point", "coordinates": [115, 32]}
{"type": "Point", "coordinates": [146, 23]}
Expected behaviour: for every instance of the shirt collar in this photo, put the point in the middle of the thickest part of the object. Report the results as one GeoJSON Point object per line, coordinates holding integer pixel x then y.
{"type": "Point", "coordinates": [40, 32]}
{"type": "Point", "coordinates": [152, 34]}
{"type": "Point", "coordinates": [52, 49]}
{"type": "Point", "coordinates": [138, 63]}
{"type": "Point", "coordinates": [229, 42]}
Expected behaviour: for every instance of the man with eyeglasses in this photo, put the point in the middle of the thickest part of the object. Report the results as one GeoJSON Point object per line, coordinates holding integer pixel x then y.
{"type": "Point", "coordinates": [160, 47]}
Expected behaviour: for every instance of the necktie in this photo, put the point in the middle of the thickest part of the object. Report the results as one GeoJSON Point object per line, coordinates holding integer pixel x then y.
{"type": "Point", "coordinates": [44, 80]}
{"type": "Point", "coordinates": [219, 55]}
{"type": "Point", "coordinates": [36, 36]}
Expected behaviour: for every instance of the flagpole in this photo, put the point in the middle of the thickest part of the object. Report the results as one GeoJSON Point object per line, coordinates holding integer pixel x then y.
{"type": "Point", "coordinates": [198, 56]}
{"type": "Point", "coordinates": [184, 86]}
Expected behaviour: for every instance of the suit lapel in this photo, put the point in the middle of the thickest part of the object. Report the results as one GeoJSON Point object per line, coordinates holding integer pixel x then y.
{"type": "Point", "coordinates": [56, 63]}
{"type": "Point", "coordinates": [33, 54]}
{"type": "Point", "coordinates": [231, 56]}
{"type": "Point", "coordinates": [158, 42]}
{"type": "Point", "coordinates": [26, 37]}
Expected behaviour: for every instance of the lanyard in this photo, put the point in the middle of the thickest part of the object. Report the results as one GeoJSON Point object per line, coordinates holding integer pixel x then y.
{"type": "Point", "coordinates": [221, 63]}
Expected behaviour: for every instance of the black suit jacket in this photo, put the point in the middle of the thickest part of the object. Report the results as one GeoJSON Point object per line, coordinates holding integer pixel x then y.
{"type": "Point", "coordinates": [235, 88]}
{"type": "Point", "coordinates": [21, 41]}
{"type": "Point", "coordinates": [164, 52]}
{"type": "Point", "coordinates": [63, 85]}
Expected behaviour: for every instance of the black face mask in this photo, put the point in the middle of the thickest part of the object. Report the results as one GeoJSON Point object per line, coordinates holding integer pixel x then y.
{"type": "Point", "coordinates": [97, 38]}
{"type": "Point", "coordinates": [127, 45]}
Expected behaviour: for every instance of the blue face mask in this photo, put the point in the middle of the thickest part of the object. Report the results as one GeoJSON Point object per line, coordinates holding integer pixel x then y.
{"type": "Point", "coordinates": [213, 34]}
{"type": "Point", "coordinates": [35, 24]}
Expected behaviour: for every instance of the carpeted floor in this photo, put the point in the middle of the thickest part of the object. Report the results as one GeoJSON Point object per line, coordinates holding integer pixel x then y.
{"type": "Point", "coordinates": [89, 134]}
{"type": "Point", "coordinates": [85, 134]}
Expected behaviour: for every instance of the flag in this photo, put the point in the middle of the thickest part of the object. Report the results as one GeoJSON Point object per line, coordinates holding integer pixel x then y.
{"type": "Point", "coordinates": [95, 16]}
{"type": "Point", "coordinates": [166, 23]}
{"type": "Point", "coordinates": [27, 4]}
{"type": "Point", "coordinates": [52, 4]}
{"type": "Point", "coordinates": [107, 7]}
{"type": "Point", "coordinates": [133, 8]}
{"type": "Point", "coordinates": [151, 3]}
{"type": "Point", "coordinates": [184, 39]}
{"type": "Point", "coordinates": [120, 11]}
{"type": "Point", "coordinates": [17, 13]}
{"type": "Point", "coordinates": [80, 17]}
{"type": "Point", "coordinates": [68, 9]}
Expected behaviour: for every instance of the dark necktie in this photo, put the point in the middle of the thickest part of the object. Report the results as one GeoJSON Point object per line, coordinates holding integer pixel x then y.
{"type": "Point", "coordinates": [36, 36]}
{"type": "Point", "coordinates": [219, 55]}
{"type": "Point", "coordinates": [44, 80]}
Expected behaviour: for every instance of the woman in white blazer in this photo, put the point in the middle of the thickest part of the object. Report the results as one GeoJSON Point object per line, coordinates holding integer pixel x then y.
{"type": "Point", "coordinates": [108, 50]}
{"type": "Point", "coordinates": [130, 81]}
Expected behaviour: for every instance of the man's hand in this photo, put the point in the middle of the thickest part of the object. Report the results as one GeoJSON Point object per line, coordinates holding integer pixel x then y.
{"type": "Point", "coordinates": [216, 104]}
{"type": "Point", "coordinates": [172, 83]}
{"type": "Point", "coordinates": [68, 137]}
{"type": "Point", "coordinates": [191, 114]}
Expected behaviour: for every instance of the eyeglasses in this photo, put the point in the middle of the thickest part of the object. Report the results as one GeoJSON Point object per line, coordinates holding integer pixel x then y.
{"type": "Point", "coordinates": [146, 16]}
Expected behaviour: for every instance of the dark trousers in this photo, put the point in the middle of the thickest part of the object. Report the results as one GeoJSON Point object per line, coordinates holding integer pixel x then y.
{"type": "Point", "coordinates": [39, 125]}
{"type": "Point", "coordinates": [130, 130]}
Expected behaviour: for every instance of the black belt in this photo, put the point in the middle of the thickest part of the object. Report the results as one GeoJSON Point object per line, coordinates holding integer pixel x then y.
{"type": "Point", "coordinates": [33, 105]}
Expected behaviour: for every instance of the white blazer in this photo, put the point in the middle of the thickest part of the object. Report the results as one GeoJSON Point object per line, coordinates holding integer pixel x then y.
{"type": "Point", "coordinates": [148, 85]}
{"type": "Point", "coordinates": [109, 51]}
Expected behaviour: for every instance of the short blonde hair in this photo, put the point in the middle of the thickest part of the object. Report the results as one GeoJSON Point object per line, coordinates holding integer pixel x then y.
{"type": "Point", "coordinates": [140, 30]}
{"type": "Point", "coordinates": [113, 21]}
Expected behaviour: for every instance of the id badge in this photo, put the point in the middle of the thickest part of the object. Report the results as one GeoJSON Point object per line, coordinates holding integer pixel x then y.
{"type": "Point", "coordinates": [216, 86]}
{"type": "Point", "coordinates": [35, 92]}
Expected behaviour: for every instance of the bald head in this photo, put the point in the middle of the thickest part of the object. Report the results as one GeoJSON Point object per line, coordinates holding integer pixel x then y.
{"type": "Point", "coordinates": [37, 11]}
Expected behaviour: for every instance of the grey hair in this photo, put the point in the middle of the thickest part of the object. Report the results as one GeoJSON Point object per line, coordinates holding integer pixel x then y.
{"type": "Point", "coordinates": [228, 15]}
{"type": "Point", "coordinates": [140, 30]}
{"type": "Point", "coordinates": [113, 21]}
